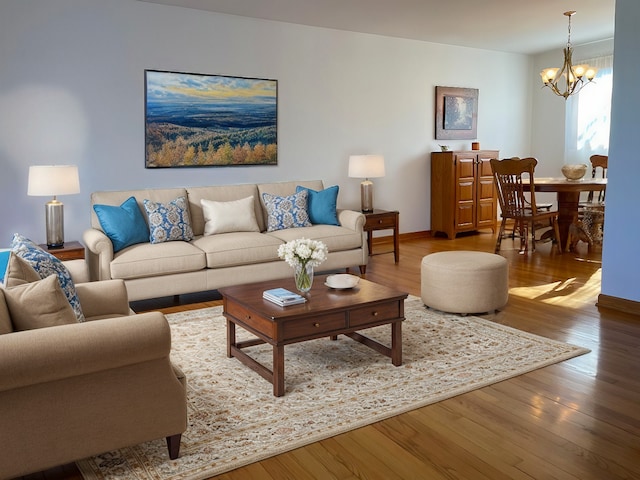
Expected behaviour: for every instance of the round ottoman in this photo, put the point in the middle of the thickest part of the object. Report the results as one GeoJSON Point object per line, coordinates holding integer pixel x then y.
{"type": "Point", "coordinates": [464, 282]}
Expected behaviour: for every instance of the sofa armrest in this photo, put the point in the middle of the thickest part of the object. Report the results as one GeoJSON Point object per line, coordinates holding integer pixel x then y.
{"type": "Point", "coordinates": [99, 254]}
{"type": "Point", "coordinates": [352, 219]}
{"type": "Point", "coordinates": [49, 354]}
{"type": "Point", "coordinates": [101, 299]}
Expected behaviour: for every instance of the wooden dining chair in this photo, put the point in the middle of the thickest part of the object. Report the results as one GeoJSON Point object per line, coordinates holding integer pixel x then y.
{"type": "Point", "coordinates": [588, 223]}
{"type": "Point", "coordinates": [515, 185]}
{"type": "Point", "coordinates": [598, 164]}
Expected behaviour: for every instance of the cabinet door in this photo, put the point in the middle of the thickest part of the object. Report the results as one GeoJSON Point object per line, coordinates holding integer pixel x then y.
{"type": "Point", "coordinates": [466, 186]}
{"type": "Point", "coordinates": [486, 199]}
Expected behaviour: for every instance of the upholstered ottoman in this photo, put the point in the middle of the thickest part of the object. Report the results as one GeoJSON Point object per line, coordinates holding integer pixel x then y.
{"type": "Point", "coordinates": [464, 282]}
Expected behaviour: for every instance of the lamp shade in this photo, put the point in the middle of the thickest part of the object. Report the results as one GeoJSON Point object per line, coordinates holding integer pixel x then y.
{"type": "Point", "coordinates": [366, 166]}
{"type": "Point", "coordinates": [52, 180]}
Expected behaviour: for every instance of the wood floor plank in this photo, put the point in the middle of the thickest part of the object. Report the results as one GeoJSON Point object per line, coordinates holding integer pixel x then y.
{"type": "Point", "coordinates": [575, 420]}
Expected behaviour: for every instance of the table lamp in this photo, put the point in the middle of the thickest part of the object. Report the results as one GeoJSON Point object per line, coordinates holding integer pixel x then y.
{"type": "Point", "coordinates": [53, 180]}
{"type": "Point", "coordinates": [366, 166]}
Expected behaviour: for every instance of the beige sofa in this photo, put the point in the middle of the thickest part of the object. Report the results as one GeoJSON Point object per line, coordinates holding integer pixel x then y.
{"type": "Point", "coordinates": [213, 261]}
{"type": "Point", "coordinates": [71, 391]}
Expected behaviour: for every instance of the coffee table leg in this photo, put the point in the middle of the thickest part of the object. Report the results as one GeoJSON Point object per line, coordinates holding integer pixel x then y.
{"type": "Point", "coordinates": [231, 336]}
{"type": "Point", "coordinates": [278, 370]}
{"type": "Point", "coordinates": [396, 343]}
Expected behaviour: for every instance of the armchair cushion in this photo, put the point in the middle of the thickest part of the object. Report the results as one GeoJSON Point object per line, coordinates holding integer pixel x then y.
{"type": "Point", "coordinates": [39, 304]}
{"type": "Point", "coordinates": [19, 272]}
{"type": "Point", "coordinates": [46, 264]}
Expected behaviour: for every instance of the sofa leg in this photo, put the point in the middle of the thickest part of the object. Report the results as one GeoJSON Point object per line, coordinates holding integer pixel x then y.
{"type": "Point", "coordinates": [363, 269]}
{"type": "Point", "coordinates": [173, 445]}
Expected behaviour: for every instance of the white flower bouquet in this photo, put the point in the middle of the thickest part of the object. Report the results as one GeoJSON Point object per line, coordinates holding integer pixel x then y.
{"type": "Point", "coordinates": [303, 254]}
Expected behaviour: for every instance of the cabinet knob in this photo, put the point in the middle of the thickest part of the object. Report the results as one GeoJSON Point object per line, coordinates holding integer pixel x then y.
{"type": "Point", "coordinates": [316, 324]}
{"type": "Point", "coordinates": [375, 314]}
{"type": "Point", "coordinates": [379, 221]}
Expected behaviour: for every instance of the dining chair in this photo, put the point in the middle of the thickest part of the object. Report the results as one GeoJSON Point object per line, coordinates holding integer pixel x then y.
{"type": "Point", "coordinates": [598, 164]}
{"type": "Point", "coordinates": [589, 219]}
{"type": "Point", "coordinates": [515, 185]}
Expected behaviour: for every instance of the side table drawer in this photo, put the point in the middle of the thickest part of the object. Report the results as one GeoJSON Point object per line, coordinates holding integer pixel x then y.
{"type": "Point", "coordinates": [380, 223]}
{"type": "Point", "coordinates": [304, 327]}
{"type": "Point", "coordinates": [373, 314]}
{"type": "Point", "coordinates": [249, 318]}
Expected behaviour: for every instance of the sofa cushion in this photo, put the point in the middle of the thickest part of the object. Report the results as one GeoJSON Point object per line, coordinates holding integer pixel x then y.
{"type": "Point", "coordinates": [286, 212]}
{"type": "Point", "coordinates": [221, 193]}
{"type": "Point", "coordinates": [168, 222]}
{"type": "Point", "coordinates": [46, 264]}
{"type": "Point", "coordinates": [124, 225]}
{"type": "Point", "coordinates": [19, 272]}
{"type": "Point", "coordinates": [148, 260]}
{"type": "Point", "coordinates": [233, 216]}
{"type": "Point", "coordinates": [335, 238]}
{"type": "Point", "coordinates": [238, 248]}
{"type": "Point", "coordinates": [322, 205]}
{"type": "Point", "coordinates": [39, 304]}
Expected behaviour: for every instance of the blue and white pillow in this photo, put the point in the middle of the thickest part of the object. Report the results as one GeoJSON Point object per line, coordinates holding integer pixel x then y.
{"type": "Point", "coordinates": [286, 212]}
{"type": "Point", "coordinates": [169, 222]}
{"type": "Point", "coordinates": [45, 265]}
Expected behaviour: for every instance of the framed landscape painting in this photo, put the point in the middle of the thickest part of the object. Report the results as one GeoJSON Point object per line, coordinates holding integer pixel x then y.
{"type": "Point", "coordinates": [195, 120]}
{"type": "Point", "coordinates": [456, 113]}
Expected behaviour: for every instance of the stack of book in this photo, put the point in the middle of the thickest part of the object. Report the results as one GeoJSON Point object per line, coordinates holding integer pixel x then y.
{"type": "Point", "coordinates": [283, 297]}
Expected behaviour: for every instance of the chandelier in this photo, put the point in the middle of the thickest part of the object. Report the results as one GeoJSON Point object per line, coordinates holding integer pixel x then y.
{"type": "Point", "coordinates": [570, 78]}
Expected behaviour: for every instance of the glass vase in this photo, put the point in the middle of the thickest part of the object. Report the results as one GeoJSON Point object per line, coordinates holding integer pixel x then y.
{"type": "Point", "coordinates": [303, 275]}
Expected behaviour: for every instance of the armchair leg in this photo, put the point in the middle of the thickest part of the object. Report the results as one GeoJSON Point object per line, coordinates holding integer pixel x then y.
{"type": "Point", "coordinates": [173, 445]}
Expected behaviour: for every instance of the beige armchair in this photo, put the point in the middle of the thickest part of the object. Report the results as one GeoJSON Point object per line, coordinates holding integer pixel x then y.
{"type": "Point", "coordinates": [71, 391]}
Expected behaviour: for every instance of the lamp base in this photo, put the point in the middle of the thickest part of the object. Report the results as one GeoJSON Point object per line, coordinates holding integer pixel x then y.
{"type": "Point", "coordinates": [366, 196]}
{"type": "Point", "coordinates": [54, 215]}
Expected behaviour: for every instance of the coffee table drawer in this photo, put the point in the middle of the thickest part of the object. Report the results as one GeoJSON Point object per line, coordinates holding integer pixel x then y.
{"type": "Point", "coordinates": [305, 327]}
{"type": "Point", "coordinates": [374, 314]}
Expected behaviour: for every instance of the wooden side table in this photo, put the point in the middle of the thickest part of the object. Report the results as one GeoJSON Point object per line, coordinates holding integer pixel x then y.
{"type": "Point", "coordinates": [383, 220]}
{"type": "Point", "coordinates": [69, 251]}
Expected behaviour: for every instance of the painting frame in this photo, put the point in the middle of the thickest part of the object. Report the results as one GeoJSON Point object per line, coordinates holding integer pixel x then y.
{"type": "Point", "coordinates": [456, 113]}
{"type": "Point", "coordinates": [208, 120]}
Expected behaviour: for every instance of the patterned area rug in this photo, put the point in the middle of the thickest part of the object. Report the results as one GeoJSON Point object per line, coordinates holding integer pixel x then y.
{"type": "Point", "coordinates": [331, 387]}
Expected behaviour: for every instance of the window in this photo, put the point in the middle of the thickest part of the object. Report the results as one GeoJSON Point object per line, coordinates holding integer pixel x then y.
{"type": "Point", "coordinates": [588, 115]}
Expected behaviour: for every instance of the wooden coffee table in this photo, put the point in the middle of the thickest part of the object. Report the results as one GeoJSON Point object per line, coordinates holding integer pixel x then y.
{"type": "Point", "coordinates": [327, 313]}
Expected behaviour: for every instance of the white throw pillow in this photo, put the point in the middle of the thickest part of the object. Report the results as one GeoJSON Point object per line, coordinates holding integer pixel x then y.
{"type": "Point", "coordinates": [233, 216]}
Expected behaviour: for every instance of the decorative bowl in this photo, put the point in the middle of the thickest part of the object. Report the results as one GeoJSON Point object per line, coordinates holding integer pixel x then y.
{"type": "Point", "coordinates": [574, 172]}
{"type": "Point", "coordinates": [342, 280]}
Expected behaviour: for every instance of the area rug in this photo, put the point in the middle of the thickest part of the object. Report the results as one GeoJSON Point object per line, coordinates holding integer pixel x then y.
{"type": "Point", "coordinates": [331, 387]}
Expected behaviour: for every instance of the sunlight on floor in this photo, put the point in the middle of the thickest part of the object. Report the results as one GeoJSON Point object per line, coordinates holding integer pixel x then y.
{"type": "Point", "coordinates": [569, 293]}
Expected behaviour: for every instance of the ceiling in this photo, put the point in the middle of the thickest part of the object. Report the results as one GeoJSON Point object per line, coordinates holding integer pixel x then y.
{"type": "Point", "coordinates": [518, 26]}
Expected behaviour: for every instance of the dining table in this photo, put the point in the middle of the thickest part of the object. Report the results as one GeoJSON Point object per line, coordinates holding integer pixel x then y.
{"type": "Point", "coordinates": [568, 196]}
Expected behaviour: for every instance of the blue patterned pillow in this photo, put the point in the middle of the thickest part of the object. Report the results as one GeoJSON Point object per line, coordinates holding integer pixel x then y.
{"type": "Point", "coordinates": [286, 212]}
{"type": "Point", "coordinates": [168, 222]}
{"type": "Point", "coordinates": [46, 264]}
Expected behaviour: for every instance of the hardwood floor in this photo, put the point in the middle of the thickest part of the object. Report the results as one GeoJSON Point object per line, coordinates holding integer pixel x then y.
{"type": "Point", "coordinates": [579, 419]}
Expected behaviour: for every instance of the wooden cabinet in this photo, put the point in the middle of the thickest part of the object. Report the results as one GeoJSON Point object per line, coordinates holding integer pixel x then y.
{"type": "Point", "coordinates": [463, 195]}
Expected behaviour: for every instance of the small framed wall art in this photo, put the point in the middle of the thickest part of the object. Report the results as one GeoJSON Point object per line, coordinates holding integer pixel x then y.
{"type": "Point", "coordinates": [456, 113]}
{"type": "Point", "coordinates": [195, 120]}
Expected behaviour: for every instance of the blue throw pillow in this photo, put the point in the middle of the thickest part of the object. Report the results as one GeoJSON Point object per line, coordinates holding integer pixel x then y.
{"type": "Point", "coordinates": [124, 225]}
{"type": "Point", "coordinates": [45, 265]}
{"type": "Point", "coordinates": [322, 205]}
{"type": "Point", "coordinates": [169, 222]}
{"type": "Point", "coordinates": [286, 212]}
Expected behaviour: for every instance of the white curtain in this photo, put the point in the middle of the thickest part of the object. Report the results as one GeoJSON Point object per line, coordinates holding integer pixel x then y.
{"type": "Point", "coordinates": [588, 115]}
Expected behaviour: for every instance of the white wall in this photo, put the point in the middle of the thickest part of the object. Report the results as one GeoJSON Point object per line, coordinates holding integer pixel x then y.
{"type": "Point", "coordinates": [72, 84]}
{"type": "Point", "coordinates": [620, 258]}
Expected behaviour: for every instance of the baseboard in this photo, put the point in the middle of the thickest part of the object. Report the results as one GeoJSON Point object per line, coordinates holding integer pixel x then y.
{"type": "Point", "coordinates": [402, 236]}
{"type": "Point", "coordinates": [620, 304]}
